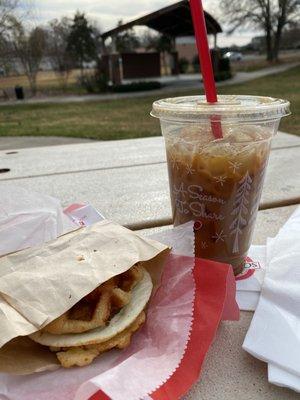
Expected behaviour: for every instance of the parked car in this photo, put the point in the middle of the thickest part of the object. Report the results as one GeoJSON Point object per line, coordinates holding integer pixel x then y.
{"type": "Point", "coordinates": [234, 55]}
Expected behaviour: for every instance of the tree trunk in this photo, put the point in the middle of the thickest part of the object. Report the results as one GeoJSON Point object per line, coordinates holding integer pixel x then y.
{"type": "Point", "coordinates": [269, 46]}
{"type": "Point", "coordinates": [280, 24]}
{"type": "Point", "coordinates": [81, 69]}
{"type": "Point", "coordinates": [62, 77]}
{"type": "Point", "coordinates": [32, 83]}
{"type": "Point", "coordinates": [65, 80]}
{"type": "Point", "coordinates": [268, 30]}
{"type": "Point", "coordinates": [277, 40]}
{"type": "Point", "coordinates": [164, 60]}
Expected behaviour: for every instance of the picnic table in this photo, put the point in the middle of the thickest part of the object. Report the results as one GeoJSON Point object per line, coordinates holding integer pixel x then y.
{"type": "Point", "coordinates": [127, 181]}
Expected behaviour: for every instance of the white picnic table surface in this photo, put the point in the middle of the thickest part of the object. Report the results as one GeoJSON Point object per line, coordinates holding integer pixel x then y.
{"type": "Point", "coordinates": [127, 181]}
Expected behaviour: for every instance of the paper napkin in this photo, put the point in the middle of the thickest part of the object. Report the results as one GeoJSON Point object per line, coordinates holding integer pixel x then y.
{"type": "Point", "coordinates": [274, 333]}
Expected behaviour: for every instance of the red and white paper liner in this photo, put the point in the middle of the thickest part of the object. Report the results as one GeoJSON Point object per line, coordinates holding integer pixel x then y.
{"type": "Point", "coordinates": [166, 356]}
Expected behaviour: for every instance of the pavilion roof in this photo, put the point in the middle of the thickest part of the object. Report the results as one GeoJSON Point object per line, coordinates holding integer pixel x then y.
{"type": "Point", "coordinates": [174, 20]}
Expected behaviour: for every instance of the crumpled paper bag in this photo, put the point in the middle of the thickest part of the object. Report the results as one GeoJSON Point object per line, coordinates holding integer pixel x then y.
{"type": "Point", "coordinates": [39, 284]}
{"type": "Point", "coordinates": [181, 240]}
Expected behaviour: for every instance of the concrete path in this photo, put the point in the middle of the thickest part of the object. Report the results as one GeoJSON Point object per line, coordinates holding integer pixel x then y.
{"type": "Point", "coordinates": [181, 83]}
{"type": "Point", "coordinates": [242, 77]}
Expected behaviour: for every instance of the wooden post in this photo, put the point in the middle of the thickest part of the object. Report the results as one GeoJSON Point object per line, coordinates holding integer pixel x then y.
{"type": "Point", "coordinates": [115, 69]}
{"type": "Point", "coordinates": [114, 63]}
{"type": "Point", "coordinates": [103, 46]}
{"type": "Point", "coordinates": [113, 44]}
{"type": "Point", "coordinates": [215, 40]}
{"type": "Point", "coordinates": [174, 56]}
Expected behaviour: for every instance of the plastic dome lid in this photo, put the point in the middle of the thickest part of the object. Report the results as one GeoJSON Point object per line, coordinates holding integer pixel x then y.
{"type": "Point", "coordinates": [233, 108]}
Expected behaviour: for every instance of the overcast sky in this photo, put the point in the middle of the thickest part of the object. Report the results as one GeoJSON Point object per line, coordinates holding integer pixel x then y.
{"type": "Point", "coordinates": [108, 12]}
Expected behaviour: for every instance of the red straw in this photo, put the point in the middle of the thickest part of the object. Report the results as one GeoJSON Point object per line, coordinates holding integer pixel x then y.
{"type": "Point", "coordinates": [204, 59]}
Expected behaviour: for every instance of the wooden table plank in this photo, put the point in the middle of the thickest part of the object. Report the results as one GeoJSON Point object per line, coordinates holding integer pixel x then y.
{"type": "Point", "coordinates": [91, 156]}
{"type": "Point", "coordinates": [96, 156]}
{"type": "Point", "coordinates": [139, 194]}
{"type": "Point", "coordinates": [229, 372]}
{"type": "Point", "coordinates": [284, 140]}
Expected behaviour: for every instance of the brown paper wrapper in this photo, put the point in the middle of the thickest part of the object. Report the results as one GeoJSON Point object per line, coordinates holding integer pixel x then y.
{"type": "Point", "coordinates": [38, 285]}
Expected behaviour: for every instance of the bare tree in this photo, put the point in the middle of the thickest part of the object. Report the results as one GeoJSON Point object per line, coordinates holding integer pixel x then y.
{"type": "Point", "coordinates": [13, 13]}
{"type": "Point", "coordinates": [29, 48]}
{"type": "Point", "coordinates": [7, 20]}
{"type": "Point", "coordinates": [57, 43]}
{"type": "Point", "coordinates": [271, 16]}
{"type": "Point", "coordinates": [7, 17]}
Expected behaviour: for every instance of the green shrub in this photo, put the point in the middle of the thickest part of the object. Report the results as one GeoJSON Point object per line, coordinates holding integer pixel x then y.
{"type": "Point", "coordinates": [223, 76]}
{"type": "Point", "coordinates": [93, 83]}
{"type": "Point", "coordinates": [136, 86]}
{"type": "Point", "coordinates": [183, 65]}
{"type": "Point", "coordinates": [195, 63]}
{"type": "Point", "coordinates": [224, 64]}
{"type": "Point", "coordinates": [97, 81]}
{"type": "Point", "coordinates": [87, 82]}
{"type": "Point", "coordinates": [223, 70]}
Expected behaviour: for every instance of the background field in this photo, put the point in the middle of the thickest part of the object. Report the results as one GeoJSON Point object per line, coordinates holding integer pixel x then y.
{"type": "Point", "coordinates": [129, 118]}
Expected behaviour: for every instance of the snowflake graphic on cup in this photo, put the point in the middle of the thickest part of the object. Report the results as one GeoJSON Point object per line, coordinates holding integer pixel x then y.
{"type": "Point", "coordinates": [180, 199]}
{"type": "Point", "coordinates": [219, 236]}
{"type": "Point", "coordinates": [234, 166]}
{"type": "Point", "coordinates": [190, 170]}
{"type": "Point", "coordinates": [220, 179]}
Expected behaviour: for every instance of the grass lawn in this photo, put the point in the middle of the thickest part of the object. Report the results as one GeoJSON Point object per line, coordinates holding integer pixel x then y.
{"type": "Point", "coordinates": [247, 65]}
{"type": "Point", "coordinates": [129, 118]}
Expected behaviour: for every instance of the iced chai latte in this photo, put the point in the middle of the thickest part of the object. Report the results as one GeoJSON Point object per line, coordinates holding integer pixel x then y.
{"type": "Point", "coordinates": [218, 182]}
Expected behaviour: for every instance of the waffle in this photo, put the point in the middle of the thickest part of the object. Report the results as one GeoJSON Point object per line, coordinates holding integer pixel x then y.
{"type": "Point", "coordinates": [84, 355]}
{"type": "Point", "coordinates": [97, 308]}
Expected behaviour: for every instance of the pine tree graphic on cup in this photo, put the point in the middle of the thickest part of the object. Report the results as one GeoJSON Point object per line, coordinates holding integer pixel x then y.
{"type": "Point", "coordinates": [240, 210]}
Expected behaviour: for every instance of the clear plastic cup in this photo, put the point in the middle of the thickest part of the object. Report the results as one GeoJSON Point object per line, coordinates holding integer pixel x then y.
{"type": "Point", "coordinates": [218, 182]}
